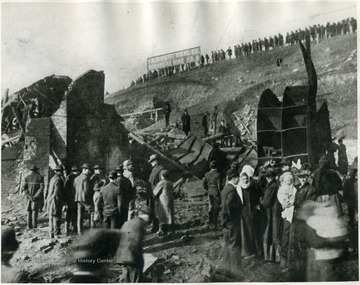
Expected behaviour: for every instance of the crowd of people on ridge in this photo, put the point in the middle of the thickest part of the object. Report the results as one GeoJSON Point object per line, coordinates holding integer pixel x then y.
{"type": "Point", "coordinates": [315, 32]}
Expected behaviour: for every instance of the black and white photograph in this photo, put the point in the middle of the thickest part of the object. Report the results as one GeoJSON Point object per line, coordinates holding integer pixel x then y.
{"type": "Point", "coordinates": [179, 141]}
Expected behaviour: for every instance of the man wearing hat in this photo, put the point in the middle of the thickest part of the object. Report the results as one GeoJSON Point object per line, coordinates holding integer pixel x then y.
{"type": "Point", "coordinates": [69, 200]}
{"type": "Point", "coordinates": [154, 180]}
{"type": "Point", "coordinates": [270, 204]}
{"type": "Point", "coordinates": [231, 214]}
{"type": "Point", "coordinates": [212, 183]}
{"type": "Point", "coordinates": [304, 190]}
{"type": "Point", "coordinates": [164, 204]}
{"type": "Point", "coordinates": [84, 196]}
{"type": "Point", "coordinates": [33, 189]}
{"type": "Point", "coordinates": [111, 198]}
{"type": "Point", "coordinates": [128, 171]}
{"type": "Point", "coordinates": [9, 245]}
{"type": "Point", "coordinates": [98, 179]}
{"type": "Point", "coordinates": [54, 200]}
{"type": "Point", "coordinates": [127, 195]}
{"type": "Point", "coordinates": [129, 253]}
{"type": "Point", "coordinates": [185, 118]}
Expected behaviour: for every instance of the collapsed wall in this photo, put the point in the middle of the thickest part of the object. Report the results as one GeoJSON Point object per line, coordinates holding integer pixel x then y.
{"type": "Point", "coordinates": [95, 133]}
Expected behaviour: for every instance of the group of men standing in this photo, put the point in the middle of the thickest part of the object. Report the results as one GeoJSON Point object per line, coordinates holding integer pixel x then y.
{"type": "Point", "coordinates": [107, 201]}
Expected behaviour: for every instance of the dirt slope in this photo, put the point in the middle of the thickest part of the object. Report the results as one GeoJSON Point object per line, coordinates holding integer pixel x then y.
{"type": "Point", "coordinates": [235, 83]}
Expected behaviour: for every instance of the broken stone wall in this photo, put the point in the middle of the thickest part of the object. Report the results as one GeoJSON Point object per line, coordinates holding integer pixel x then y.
{"type": "Point", "coordinates": [95, 133]}
{"type": "Point", "coordinates": [37, 147]}
{"type": "Point", "coordinates": [59, 131]}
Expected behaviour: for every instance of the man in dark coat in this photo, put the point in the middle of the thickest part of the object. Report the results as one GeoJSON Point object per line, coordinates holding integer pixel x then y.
{"type": "Point", "coordinates": [69, 200]}
{"type": "Point", "coordinates": [231, 215]}
{"type": "Point", "coordinates": [33, 190]}
{"type": "Point", "coordinates": [9, 245]}
{"type": "Point", "coordinates": [270, 203]}
{"type": "Point", "coordinates": [212, 183]}
{"type": "Point", "coordinates": [98, 179]}
{"type": "Point", "coordinates": [185, 118]}
{"type": "Point", "coordinates": [342, 158]}
{"type": "Point", "coordinates": [84, 196]}
{"type": "Point", "coordinates": [127, 196]}
{"type": "Point", "coordinates": [204, 123]}
{"type": "Point", "coordinates": [110, 194]}
{"type": "Point", "coordinates": [154, 179]}
{"type": "Point", "coordinates": [55, 201]}
{"type": "Point", "coordinates": [167, 111]}
{"type": "Point", "coordinates": [129, 253]}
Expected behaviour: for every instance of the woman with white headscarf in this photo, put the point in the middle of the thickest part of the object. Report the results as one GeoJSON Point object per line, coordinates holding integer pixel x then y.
{"type": "Point", "coordinates": [286, 197]}
{"type": "Point", "coordinates": [250, 196]}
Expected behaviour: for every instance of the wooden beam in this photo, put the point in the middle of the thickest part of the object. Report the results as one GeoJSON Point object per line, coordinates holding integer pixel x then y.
{"type": "Point", "coordinates": [142, 112]}
{"type": "Point", "coordinates": [164, 157]}
{"type": "Point", "coordinates": [231, 149]}
{"type": "Point", "coordinates": [214, 137]}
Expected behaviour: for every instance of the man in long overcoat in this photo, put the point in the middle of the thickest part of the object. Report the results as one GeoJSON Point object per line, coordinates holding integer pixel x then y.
{"type": "Point", "coordinates": [55, 201]}
{"type": "Point", "coordinates": [164, 204]}
{"type": "Point", "coordinates": [127, 195]}
{"type": "Point", "coordinates": [84, 196]}
{"type": "Point", "coordinates": [212, 183]}
{"type": "Point", "coordinates": [185, 118]}
{"type": "Point", "coordinates": [69, 200]}
{"type": "Point", "coordinates": [110, 194]}
{"type": "Point", "coordinates": [33, 190]}
{"type": "Point", "coordinates": [231, 215]}
{"type": "Point", "coordinates": [154, 179]}
{"type": "Point", "coordinates": [129, 253]}
{"type": "Point", "coordinates": [272, 207]}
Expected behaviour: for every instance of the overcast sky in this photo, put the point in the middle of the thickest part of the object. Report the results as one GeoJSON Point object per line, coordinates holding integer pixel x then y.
{"type": "Point", "coordinates": [69, 38]}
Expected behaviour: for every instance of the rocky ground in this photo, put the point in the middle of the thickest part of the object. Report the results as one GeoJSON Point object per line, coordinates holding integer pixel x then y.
{"type": "Point", "coordinates": [191, 255]}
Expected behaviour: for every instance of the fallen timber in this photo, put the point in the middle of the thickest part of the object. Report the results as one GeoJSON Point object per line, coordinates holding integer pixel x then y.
{"type": "Point", "coordinates": [159, 153]}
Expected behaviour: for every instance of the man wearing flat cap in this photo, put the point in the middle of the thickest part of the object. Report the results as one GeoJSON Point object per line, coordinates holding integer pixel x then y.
{"type": "Point", "coordinates": [212, 183]}
{"type": "Point", "coordinates": [231, 214]}
{"type": "Point", "coordinates": [33, 189]}
{"type": "Point", "coordinates": [129, 253]}
{"type": "Point", "coordinates": [84, 197]}
{"type": "Point", "coordinates": [69, 201]}
{"type": "Point", "coordinates": [111, 197]}
{"type": "Point", "coordinates": [154, 179]}
{"type": "Point", "coordinates": [54, 201]}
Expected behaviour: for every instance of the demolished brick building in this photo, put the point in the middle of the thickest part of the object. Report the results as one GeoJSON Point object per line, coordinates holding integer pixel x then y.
{"type": "Point", "coordinates": [72, 125]}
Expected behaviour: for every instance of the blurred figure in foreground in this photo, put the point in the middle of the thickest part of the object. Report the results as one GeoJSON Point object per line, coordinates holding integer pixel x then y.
{"type": "Point", "coordinates": [326, 227]}
{"type": "Point", "coordinates": [9, 245]}
{"type": "Point", "coordinates": [129, 252]}
{"type": "Point", "coordinates": [93, 254]}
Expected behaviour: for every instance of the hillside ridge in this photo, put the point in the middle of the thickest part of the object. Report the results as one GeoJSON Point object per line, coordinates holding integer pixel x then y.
{"type": "Point", "coordinates": [243, 80]}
